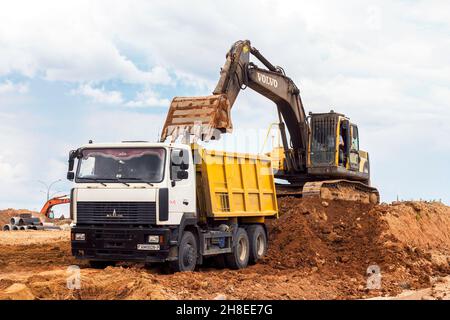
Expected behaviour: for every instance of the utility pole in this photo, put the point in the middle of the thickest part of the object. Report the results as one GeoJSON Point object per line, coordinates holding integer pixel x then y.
{"type": "Point", "coordinates": [49, 186]}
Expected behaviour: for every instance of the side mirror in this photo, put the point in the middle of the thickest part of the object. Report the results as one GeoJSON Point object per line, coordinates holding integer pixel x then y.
{"type": "Point", "coordinates": [184, 166]}
{"type": "Point", "coordinates": [70, 175]}
{"type": "Point", "coordinates": [180, 158]}
{"type": "Point", "coordinates": [182, 175]}
{"type": "Point", "coordinates": [72, 156]}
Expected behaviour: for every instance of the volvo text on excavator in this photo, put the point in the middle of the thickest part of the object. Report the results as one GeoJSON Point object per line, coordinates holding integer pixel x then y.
{"type": "Point", "coordinates": [320, 156]}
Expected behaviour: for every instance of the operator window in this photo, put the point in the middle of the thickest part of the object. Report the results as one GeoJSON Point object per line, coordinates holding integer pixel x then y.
{"type": "Point", "coordinates": [355, 138]}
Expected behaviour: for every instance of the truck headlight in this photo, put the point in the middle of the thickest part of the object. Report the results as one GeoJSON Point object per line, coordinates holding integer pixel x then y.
{"type": "Point", "coordinates": [80, 236]}
{"type": "Point", "coordinates": [153, 239]}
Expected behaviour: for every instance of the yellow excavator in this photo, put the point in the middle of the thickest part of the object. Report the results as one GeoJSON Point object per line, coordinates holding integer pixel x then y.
{"type": "Point", "coordinates": [320, 155]}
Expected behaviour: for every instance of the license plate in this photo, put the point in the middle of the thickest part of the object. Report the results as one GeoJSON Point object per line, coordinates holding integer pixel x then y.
{"type": "Point", "coordinates": [148, 246]}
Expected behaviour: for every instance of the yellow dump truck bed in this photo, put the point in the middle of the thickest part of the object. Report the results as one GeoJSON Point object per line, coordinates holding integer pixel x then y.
{"type": "Point", "coordinates": [235, 185]}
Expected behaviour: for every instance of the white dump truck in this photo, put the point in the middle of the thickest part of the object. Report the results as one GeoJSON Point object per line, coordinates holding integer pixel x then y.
{"type": "Point", "coordinates": [173, 203]}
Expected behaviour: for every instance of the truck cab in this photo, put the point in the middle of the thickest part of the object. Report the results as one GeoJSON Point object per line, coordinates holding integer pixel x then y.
{"type": "Point", "coordinates": [138, 201]}
{"type": "Point", "coordinates": [120, 203]}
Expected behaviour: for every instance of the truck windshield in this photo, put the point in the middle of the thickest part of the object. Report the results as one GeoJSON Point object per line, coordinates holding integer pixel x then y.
{"type": "Point", "coordinates": [122, 165]}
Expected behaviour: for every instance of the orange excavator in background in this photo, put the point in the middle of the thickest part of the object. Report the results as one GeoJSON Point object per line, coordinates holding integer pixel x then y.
{"type": "Point", "coordinates": [46, 209]}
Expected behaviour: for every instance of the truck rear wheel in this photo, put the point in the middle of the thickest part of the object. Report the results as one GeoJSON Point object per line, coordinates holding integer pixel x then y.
{"type": "Point", "coordinates": [258, 242]}
{"type": "Point", "coordinates": [187, 254]}
{"type": "Point", "coordinates": [238, 258]}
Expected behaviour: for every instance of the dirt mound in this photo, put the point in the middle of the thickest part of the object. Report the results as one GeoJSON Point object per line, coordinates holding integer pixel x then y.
{"type": "Point", "coordinates": [425, 225]}
{"type": "Point", "coordinates": [312, 234]}
{"type": "Point", "coordinates": [409, 242]}
{"type": "Point", "coordinates": [7, 214]}
{"type": "Point", "coordinates": [317, 251]}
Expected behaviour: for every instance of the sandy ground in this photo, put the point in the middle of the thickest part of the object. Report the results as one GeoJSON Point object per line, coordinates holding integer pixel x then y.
{"type": "Point", "coordinates": [318, 251]}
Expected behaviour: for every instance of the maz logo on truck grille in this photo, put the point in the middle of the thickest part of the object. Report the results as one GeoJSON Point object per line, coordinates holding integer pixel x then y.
{"type": "Point", "coordinates": [267, 80]}
{"type": "Point", "coordinates": [114, 214]}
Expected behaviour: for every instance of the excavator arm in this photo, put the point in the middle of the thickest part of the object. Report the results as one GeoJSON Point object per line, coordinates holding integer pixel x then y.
{"type": "Point", "coordinates": [238, 73]}
{"type": "Point", "coordinates": [53, 202]}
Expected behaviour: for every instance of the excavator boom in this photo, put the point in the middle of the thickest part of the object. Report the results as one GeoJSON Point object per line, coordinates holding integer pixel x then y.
{"type": "Point", "coordinates": [200, 116]}
{"type": "Point", "coordinates": [53, 202]}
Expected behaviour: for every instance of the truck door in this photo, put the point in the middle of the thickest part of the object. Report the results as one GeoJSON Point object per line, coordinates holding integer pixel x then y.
{"type": "Point", "coordinates": [343, 146]}
{"type": "Point", "coordinates": [354, 148]}
{"type": "Point", "coordinates": [182, 185]}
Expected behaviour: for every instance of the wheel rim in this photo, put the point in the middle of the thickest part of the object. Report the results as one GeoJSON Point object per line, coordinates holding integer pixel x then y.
{"type": "Point", "coordinates": [242, 249]}
{"type": "Point", "coordinates": [260, 245]}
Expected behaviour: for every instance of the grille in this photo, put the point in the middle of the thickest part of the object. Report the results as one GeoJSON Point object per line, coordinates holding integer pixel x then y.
{"type": "Point", "coordinates": [116, 212]}
{"type": "Point", "coordinates": [114, 235]}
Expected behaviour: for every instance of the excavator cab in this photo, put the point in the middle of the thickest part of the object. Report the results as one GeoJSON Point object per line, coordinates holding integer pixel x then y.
{"type": "Point", "coordinates": [334, 148]}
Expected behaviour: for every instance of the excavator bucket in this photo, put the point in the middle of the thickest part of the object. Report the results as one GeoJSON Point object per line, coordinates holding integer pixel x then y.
{"type": "Point", "coordinates": [199, 116]}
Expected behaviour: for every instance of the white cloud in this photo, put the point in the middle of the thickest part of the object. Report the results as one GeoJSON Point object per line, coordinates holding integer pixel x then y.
{"type": "Point", "coordinates": [9, 87]}
{"type": "Point", "coordinates": [66, 41]}
{"type": "Point", "coordinates": [9, 170]}
{"type": "Point", "coordinates": [99, 95]}
{"type": "Point", "coordinates": [148, 98]}
{"type": "Point", "coordinates": [120, 125]}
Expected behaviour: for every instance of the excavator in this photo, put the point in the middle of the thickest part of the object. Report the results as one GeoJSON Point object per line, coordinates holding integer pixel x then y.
{"type": "Point", "coordinates": [320, 155]}
{"type": "Point", "coordinates": [46, 210]}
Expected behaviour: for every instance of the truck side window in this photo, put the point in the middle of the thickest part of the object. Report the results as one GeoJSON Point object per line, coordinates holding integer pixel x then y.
{"type": "Point", "coordinates": [89, 169]}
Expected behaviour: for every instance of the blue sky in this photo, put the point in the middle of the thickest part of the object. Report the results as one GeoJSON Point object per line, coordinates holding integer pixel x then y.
{"type": "Point", "coordinates": [76, 70]}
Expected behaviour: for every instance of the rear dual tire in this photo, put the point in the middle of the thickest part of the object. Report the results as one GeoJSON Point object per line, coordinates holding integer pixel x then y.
{"type": "Point", "coordinates": [258, 243]}
{"type": "Point", "coordinates": [249, 246]}
{"type": "Point", "coordinates": [238, 258]}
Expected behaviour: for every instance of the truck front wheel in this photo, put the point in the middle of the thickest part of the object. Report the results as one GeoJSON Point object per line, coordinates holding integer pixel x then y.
{"type": "Point", "coordinates": [238, 258]}
{"type": "Point", "coordinates": [187, 253]}
{"type": "Point", "coordinates": [258, 242]}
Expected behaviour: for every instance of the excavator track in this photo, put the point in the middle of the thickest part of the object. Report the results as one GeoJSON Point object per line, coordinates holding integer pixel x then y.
{"type": "Point", "coordinates": [341, 190]}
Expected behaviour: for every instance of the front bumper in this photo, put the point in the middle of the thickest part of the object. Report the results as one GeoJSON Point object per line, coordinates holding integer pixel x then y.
{"type": "Point", "coordinates": [120, 244]}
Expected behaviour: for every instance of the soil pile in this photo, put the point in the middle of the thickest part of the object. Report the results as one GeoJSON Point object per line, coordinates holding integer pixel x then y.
{"type": "Point", "coordinates": [318, 250]}
{"type": "Point", "coordinates": [7, 214]}
{"type": "Point", "coordinates": [409, 242]}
